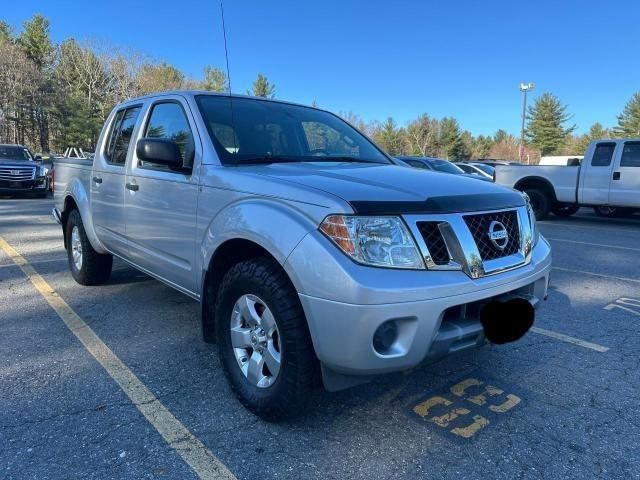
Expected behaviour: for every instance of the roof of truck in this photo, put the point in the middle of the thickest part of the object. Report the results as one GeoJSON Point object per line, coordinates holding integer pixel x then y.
{"type": "Point", "coordinates": [192, 93]}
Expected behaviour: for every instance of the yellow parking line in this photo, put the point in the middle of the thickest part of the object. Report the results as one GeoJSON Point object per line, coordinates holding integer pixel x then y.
{"type": "Point", "coordinates": [187, 445]}
{"type": "Point", "coordinates": [583, 272]}
{"type": "Point", "coordinates": [568, 339]}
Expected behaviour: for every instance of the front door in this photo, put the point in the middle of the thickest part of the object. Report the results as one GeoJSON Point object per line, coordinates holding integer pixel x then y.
{"type": "Point", "coordinates": [596, 177]}
{"type": "Point", "coordinates": [161, 204]}
{"type": "Point", "coordinates": [625, 179]}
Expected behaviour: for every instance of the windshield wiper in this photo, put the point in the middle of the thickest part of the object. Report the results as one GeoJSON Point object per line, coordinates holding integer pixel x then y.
{"type": "Point", "coordinates": [266, 159]}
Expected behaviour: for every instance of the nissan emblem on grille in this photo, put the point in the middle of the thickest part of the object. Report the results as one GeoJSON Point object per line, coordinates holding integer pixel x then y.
{"type": "Point", "coordinates": [498, 235]}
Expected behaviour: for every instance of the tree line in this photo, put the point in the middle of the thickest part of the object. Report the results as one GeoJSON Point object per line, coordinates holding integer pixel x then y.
{"type": "Point", "coordinates": [53, 96]}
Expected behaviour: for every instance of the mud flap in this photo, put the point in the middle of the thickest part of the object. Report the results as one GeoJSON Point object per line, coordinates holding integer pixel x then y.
{"type": "Point", "coordinates": [506, 321]}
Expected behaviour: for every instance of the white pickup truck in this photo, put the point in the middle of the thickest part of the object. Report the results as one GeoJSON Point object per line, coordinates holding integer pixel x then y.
{"type": "Point", "coordinates": [607, 180]}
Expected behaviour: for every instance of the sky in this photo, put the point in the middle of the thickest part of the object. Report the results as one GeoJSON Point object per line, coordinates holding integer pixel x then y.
{"type": "Point", "coordinates": [385, 58]}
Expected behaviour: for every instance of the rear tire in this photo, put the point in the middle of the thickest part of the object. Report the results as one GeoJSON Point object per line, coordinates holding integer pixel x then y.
{"type": "Point", "coordinates": [87, 266]}
{"type": "Point", "coordinates": [285, 391]}
{"type": "Point", "coordinates": [539, 202]}
{"type": "Point", "coordinates": [565, 209]}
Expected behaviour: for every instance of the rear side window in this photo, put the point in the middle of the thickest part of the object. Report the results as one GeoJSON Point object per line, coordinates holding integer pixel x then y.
{"type": "Point", "coordinates": [630, 155]}
{"type": "Point", "coordinates": [120, 135]}
{"type": "Point", "coordinates": [603, 154]}
{"type": "Point", "coordinates": [168, 121]}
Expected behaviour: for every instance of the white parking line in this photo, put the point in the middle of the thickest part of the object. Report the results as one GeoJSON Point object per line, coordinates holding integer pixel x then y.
{"type": "Point", "coordinates": [588, 227]}
{"type": "Point", "coordinates": [592, 244]}
{"type": "Point", "coordinates": [195, 454]}
{"type": "Point", "coordinates": [568, 339]}
{"type": "Point", "coordinates": [602, 275]}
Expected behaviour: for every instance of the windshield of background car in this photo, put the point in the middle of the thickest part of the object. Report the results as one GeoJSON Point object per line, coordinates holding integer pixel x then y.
{"type": "Point", "coordinates": [14, 153]}
{"type": "Point", "coordinates": [245, 130]}
{"type": "Point", "coordinates": [488, 169]}
{"type": "Point", "coordinates": [445, 166]}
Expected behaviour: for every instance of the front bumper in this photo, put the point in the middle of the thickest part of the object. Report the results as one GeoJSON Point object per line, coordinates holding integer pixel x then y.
{"type": "Point", "coordinates": [10, 187]}
{"type": "Point", "coordinates": [435, 311]}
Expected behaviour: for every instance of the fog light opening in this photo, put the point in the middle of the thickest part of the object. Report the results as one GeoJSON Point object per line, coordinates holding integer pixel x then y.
{"type": "Point", "coordinates": [385, 336]}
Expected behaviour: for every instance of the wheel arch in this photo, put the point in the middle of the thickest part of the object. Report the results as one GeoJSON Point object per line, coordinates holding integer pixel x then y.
{"type": "Point", "coordinates": [539, 183]}
{"type": "Point", "coordinates": [246, 229]}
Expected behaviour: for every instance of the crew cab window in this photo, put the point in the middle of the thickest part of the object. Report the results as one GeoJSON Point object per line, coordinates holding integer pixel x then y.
{"type": "Point", "coordinates": [120, 135]}
{"type": "Point", "coordinates": [630, 155]}
{"type": "Point", "coordinates": [603, 154]}
{"type": "Point", "coordinates": [168, 121]}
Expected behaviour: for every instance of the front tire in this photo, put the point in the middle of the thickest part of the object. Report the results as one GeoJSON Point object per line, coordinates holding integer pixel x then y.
{"type": "Point", "coordinates": [263, 340]}
{"type": "Point", "coordinates": [606, 211]}
{"type": "Point", "coordinates": [87, 266]}
{"type": "Point", "coordinates": [539, 202]}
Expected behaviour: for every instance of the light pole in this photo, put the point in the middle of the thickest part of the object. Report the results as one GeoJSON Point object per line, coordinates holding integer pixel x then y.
{"type": "Point", "coordinates": [524, 88]}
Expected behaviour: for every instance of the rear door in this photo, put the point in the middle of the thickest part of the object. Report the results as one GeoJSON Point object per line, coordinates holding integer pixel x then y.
{"type": "Point", "coordinates": [108, 179]}
{"type": "Point", "coordinates": [596, 175]}
{"type": "Point", "coordinates": [161, 204]}
{"type": "Point", "coordinates": [625, 180]}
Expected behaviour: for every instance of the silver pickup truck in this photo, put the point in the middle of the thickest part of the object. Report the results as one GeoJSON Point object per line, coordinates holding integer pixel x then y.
{"type": "Point", "coordinates": [312, 254]}
{"type": "Point", "coordinates": [608, 179]}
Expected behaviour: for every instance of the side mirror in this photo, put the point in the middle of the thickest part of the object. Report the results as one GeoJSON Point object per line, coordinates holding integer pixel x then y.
{"type": "Point", "coordinates": [38, 158]}
{"type": "Point", "coordinates": [159, 150]}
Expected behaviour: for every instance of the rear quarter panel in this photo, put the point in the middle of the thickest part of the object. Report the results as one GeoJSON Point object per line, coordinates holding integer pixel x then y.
{"type": "Point", "coordinates": [72, 179]}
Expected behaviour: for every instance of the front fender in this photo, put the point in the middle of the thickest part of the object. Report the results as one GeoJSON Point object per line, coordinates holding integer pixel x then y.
{"type": "Point", "coordinates": [77, 191]}
{"type": "Point", "coordinates": [276, 226]}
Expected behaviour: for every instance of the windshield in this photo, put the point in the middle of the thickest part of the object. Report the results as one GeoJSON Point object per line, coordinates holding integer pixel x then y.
{"type": "Point", "coordinates": [488, 169]}
{"type": "Point", "coordinates": [250, 130]}
{"type": "Point", "coordinates": [11, 152]}
{"type": "Point", "coordinates": [444, 166]}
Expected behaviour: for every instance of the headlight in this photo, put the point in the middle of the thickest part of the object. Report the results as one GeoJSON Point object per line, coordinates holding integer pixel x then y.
{"type": "Point", "coordinates": [377, 241]}
{"type": "Point", "coordinates": [532, 220]}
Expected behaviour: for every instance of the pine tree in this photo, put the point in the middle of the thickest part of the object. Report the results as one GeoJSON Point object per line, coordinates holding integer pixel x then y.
{"type": "Point", "coordinates": [546, 129]}
{"type": "Point", "coordinates": [451, 139]}
{"type": "Point", "coordinates": [262, 88]}
{"type": "Point", "coordinates": [629, 119]}
{"type": "Point", "coordinates": [389, 137]}
{"type": "Point", "coordinates": [6, 32]}
{"type": "Point", "coordinates": [596, 132]}
{"type": "Point", "coordinates": [35, 41]}
{"type": "Point", "coordinates": [215, 80]}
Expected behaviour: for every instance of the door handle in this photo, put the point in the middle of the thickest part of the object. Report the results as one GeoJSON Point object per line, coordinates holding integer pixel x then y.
{"type": "Point", "coordinates": [97, 179]}
{"type": "Point", "coordinates": [132, 187]}
{"type": "Point", "coordinates": [616, 175]}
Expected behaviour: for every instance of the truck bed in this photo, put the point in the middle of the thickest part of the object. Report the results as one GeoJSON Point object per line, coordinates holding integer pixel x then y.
{"type": "Point", "coordinates": [563, 179]}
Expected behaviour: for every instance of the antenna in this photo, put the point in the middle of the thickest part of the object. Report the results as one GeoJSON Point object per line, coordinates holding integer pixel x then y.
{"type": "Point", "coordinates": [226, 51]}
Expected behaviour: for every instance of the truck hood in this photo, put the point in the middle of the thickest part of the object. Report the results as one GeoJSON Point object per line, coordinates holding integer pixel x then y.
{"type": "Point", "coordinates": [387, 189]}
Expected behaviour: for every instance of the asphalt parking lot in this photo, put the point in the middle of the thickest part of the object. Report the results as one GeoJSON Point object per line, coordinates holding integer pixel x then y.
{"type": "Point", "coordinates": [562, 402]}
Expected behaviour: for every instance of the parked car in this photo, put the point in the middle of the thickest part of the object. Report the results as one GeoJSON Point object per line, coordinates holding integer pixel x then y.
{"type": "Point", "coordinates": [473, 169]}
{"type": "Point", "coordinates": [608, 180]}
{"type": "Point", "coordinates": [488, 169]}
{"type": "Point", "coordinates": [20, 173]}
{"type": "Point", "coordinates": [309, 251]}
{"type": "Point", "coordinates": [438, 165]}
{"type": "Point", "coordinates": [495, 163]}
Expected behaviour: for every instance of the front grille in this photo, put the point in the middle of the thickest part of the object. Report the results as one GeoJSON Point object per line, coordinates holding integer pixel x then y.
{"type": "Point", "coordinates": [434, 241]}
{"type": "Point", "coordinates": [479, 226]}
{"type": "Point", "coordinates": [17, 173]}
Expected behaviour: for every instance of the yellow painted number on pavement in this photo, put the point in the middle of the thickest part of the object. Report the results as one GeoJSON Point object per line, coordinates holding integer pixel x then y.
{"type": "Point", "coordinates": [456, 414]}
